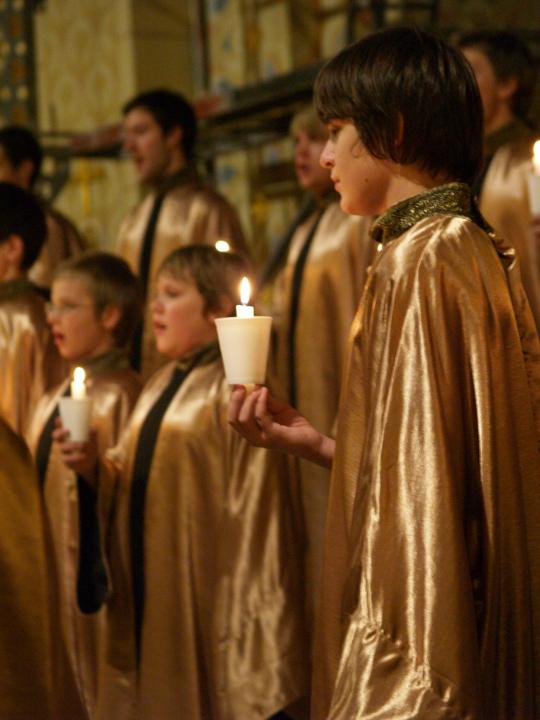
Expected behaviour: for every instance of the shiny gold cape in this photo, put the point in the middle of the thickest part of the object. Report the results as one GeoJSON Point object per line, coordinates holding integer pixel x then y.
{"type": "Point", "coordinates": [62, 241]}
{"type": "Point", "coordinates": [25, 670]}
{"type": "Point", "coordinates": [29, 361]}
{"type": "Point", "coordinates": [504, 201]}
{"type": "Point", "coordinates": [114, 388]}
{"type": "Point", "coordinates": [430, 596]}
{"type": "Point", "coordinates": [221, 634]}
{"type": "Point", "coordinates": [332, 283]}
{"type": "Point", "coordinates": [191, 214]}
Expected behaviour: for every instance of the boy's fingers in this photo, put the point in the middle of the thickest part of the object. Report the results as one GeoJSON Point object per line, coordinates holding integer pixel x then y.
{"type": "Point", "coordinates": [235, 402]}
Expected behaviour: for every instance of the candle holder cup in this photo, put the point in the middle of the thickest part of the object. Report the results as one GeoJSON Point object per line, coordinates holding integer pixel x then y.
{"type": "Point", "coordinates": [534, 193]}
{"type": "Point", "coordinates": [76, 415]}
{"type": "Point", "coordinates": [244, 344]}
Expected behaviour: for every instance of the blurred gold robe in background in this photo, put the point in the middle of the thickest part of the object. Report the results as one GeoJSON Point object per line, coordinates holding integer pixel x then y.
{"type": "Point", "coordinates": [221, 632]}
{"type": "Point", "coordinates": [29, 361]}
{"type": "Point", "coordinates": [192, 213]}
{"type": "Point", "coordinates": [504, 202]}
{"type": "Point", "coordinates": [25, 668]}
{"type": "Point", "coordinates": [114, 389]}
{"type": "Point", "coordinates": [62, 242]}
{"type": "Point", "coordinates": [332, 282]}
{"type": "Point", "coordinates": [430, 602]}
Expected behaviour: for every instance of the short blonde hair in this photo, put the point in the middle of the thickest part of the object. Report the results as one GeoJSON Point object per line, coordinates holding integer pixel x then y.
{"type": "Point", "coordinates": [216, 275]}
{"type": "Point", "coordinates": [307, 121]}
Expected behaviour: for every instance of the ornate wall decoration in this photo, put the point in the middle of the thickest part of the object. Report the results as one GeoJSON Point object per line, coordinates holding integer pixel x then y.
{"type": "Point", "coordinates": [17, 86]}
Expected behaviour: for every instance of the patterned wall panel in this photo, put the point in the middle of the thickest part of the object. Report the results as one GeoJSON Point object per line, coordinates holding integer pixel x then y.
{"type": "Point", "coordinates": [17, 88]}
{"type": "Point", "coordinates": [85, 63]}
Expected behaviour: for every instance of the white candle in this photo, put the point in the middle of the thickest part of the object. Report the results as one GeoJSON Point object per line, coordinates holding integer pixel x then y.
{"type": "Point", "coordinates": [78, 384]}
{"type": "Point", "coordinates": [536, 157]}
{"type": "Point", "coordinates": [244, 310]}
{"type": "Point", "coordinates": [244, 341]}
{"type": "Point", "coordinates": [76, 410]}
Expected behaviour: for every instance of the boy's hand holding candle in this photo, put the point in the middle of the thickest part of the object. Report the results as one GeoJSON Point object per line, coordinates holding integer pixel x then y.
{"type": "Point", "coordinates": [244, 341]}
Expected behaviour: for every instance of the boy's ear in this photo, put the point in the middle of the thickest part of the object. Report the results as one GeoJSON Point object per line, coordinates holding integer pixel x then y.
{"type": "Point", "coordinates": [24, 172]}
{"type": "Point", "coordinates": [506, 89]}
{"type": "Point", "coordinates": [224, 309]}
{"type": "Point", "coordinates": [174, 137]}
{"type": "Point", "coordinates": [14, 251]}
{"type": "Point", "coordinates": [110, 317]}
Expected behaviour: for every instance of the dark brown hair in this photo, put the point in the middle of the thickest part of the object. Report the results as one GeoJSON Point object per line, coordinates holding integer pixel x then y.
{"type": "Point", "coordinates": [21, 144]}
{"type": "Point", "coordinates": [405, 84]}
{"type": "Point", "coordinates": [21, 214]}
{"type": "Point", "coordinates": [510, 58]}
{"type": "Point", "coordinates": [169, 109]}
{"type": "Point", "coordinates": [110, 281]}
{"type": "Point", "coordinates": [216, 275]}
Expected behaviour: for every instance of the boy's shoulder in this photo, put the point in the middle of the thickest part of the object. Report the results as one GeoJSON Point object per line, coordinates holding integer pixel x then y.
{"type": "Point", "coordinates": [448, 249]}
{"type": "Point", "coordinates": [436, 238]}
{"type": "Point", "coordinates": [117, 381]}
{"type": "Point", "coordinates": [22, 298]}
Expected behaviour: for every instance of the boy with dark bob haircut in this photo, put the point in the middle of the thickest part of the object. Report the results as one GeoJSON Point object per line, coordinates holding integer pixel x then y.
{"type": "Point", "coordinates": [402, 131]}
{"type": "Point", "coordinates": [430, 602]}
{"type": "Point", "coordinates": [28, 361]}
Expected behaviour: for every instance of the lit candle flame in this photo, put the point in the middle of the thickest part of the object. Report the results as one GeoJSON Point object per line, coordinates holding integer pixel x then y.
{"type": "Point", "coordinates": [536, 157]}
{"type": "Point", "coordinates": [245, 291]}
{"type": "Point", "coordinates": [78, 387]}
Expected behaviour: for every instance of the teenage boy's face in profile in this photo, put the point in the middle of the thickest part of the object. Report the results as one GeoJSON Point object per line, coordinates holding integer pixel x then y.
{"type": "Point", "coordinates": [310, 173]}
{"type": "Point", "coordinates": [361, 180]}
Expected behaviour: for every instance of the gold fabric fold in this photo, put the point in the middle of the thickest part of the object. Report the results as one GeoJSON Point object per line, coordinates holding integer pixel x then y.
{"type": "Point", "coordinates": [430, 596]}
{"type": "Point", "coordinates": [29, 361]}
{"type": "Point", "coordinates": [114, 389]}
{"type": "Point", "coordinates": [221, 634]}
{"type": "Point", "coordinates": [504, 200]}
{"type": "Point", "coordinates": [25, 669]}
{"type": "Point", "coordinates": [332, 282]}
{"type": "Point", "coordinates": [62, 241]}
{"type": "Point", "coordinates": [192, 214]}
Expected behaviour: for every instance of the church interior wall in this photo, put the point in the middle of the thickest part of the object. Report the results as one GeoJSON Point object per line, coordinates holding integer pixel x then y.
{"type": "Point", "coordinates": [94, 54]}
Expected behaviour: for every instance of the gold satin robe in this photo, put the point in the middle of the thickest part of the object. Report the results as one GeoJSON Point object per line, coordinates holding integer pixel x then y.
{"type": "Point", "coordinates": [29, 361]}
{"type": "Point", "coordinates": [504, 202]}
{"type": "Point", "coordinates": [114, 389]}
{"type": "Point", "coordinates": [25, 670]}
{"type": "Point", "coordinates": [221, 635]}
{"type": "Point", "coordinates": [62, 242]}
{"type": "Point", "coordinates": [332, 283]}
{"type": "Point", "coordinates": [430, 602]}
{"type": "Point", "coordinates": [192, 213]}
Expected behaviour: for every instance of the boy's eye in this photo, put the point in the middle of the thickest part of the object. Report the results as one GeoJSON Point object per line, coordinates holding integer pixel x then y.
{"type": "Point", "coordinates": [333, 132]}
